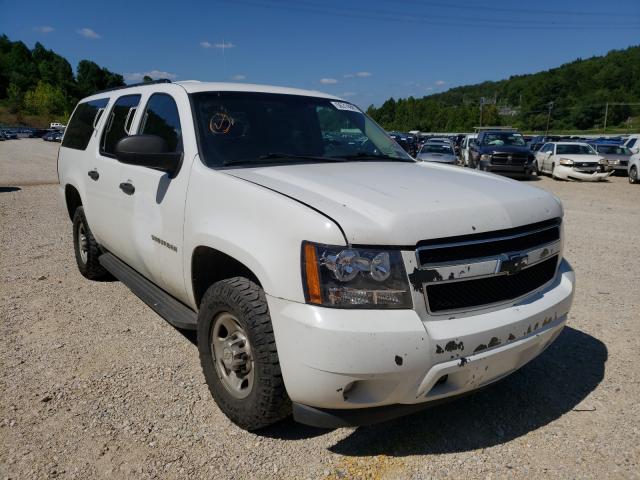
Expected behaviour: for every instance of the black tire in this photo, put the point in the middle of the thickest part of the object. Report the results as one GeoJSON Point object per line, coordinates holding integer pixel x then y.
{"type": "Point", "coordinates": [633, 175]}
{"type": "Point", "coordinates": [89, 266]}
{"type": "Point", "coordinates": [267, 401]}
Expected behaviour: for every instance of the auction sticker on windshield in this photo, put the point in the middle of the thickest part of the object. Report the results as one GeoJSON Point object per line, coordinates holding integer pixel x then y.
{"type": "Point", "coordinates": [346, 106]}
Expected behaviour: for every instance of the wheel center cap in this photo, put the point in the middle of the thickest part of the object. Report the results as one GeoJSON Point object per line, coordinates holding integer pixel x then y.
{"type": "Point", "coordinates": [227, 357]}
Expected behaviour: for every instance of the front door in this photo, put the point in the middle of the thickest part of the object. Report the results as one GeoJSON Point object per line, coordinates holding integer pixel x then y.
{"type": "Point", "coordinates": [153, 214]}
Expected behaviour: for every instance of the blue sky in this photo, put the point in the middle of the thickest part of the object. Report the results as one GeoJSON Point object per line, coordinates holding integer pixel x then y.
{"type": "Point", "coordinates": [364, 50]}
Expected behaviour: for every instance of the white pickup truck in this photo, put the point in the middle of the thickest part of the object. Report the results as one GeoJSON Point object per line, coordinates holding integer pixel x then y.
{"type": "Point", "coordinates": [327, 273]}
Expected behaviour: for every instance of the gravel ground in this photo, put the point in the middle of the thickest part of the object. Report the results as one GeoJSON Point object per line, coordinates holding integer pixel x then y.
{"type": "Point", "coordinates": [95, 385]}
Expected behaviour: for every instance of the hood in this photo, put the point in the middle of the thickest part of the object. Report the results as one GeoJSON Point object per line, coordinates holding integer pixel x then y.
{"type": "Point", "coordinates": [503, 149]}
{"type": "Point", "coordinates": [397, 203]}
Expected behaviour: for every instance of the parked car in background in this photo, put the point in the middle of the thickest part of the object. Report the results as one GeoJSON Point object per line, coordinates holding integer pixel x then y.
{"type": "Point", "coordinates": [501, 151]}
{"type": "Point", "coordinates": [634, 168]}
{"type": "Point", "coordinates": [465, 146]}
{"type": "Point", "coordinates": [617, 156]}
{"type": "Point", "coordinates": [57, 125]}
{"type": "Point", "coordinates": [38, 132]}
{"type": "Point", "coordinates": [572, 161]}
{"type": "Point", "coordinates": [53, 136]}
{"type": "Point", "coordinates": [437, 152]}
{"type": "Point", "coordinates": [9, 134]}
{"type": "Point", "coordinates": [633, 143]}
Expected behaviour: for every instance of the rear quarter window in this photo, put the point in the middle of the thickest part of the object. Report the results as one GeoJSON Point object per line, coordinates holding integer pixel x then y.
{"type": "Point", "coordinates": [80, 128]}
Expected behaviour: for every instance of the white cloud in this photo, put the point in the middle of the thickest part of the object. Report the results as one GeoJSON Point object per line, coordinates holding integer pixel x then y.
{"type": "Point", "coordinates": [155, 74]}
{"type": "Point", "coordinates": [239, 77]}
{"type": "Point", "coordinates": [44, 29]}
{"type": "Point", "coordinates": [357, 74]}
{"type": "Point", "coordinates": [428, 89]}
{"type": "Point", "coordinates": [328, 81]}
{"type": "Point", "coordinates": [348, 94]}
{"type": "Point", "coordinates": [440, 83]}
{"type": "Point", "coordinates": [217, 45]}
{"type": "Point", "coordinates": [88, 33]}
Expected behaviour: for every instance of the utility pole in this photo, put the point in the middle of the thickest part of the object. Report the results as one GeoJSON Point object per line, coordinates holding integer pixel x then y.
{"type": "Point", "coordinates": [606, 114]}
{"type": "Point", "coordinates": [481, 108]}
{"type": "Point", "coordinates": [550, 107]}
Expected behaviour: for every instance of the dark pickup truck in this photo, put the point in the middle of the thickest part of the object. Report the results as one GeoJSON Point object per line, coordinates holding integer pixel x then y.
{"type": "Point", "coordinates": [502, 151]}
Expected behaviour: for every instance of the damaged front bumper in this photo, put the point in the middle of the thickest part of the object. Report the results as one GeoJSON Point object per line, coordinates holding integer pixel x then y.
{"type": "Point", "coordinates": [353, 367]}
{"type": "Point", "coordinates": [570, 173]}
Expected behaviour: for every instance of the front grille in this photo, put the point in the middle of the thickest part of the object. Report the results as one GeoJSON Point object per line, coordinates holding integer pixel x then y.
{"type": "Point", "coordinates": [500, 158]}
{"type": "Point", "coordinates": [488, 244]}
{"type": "Point", "coordinates": [485, 291]}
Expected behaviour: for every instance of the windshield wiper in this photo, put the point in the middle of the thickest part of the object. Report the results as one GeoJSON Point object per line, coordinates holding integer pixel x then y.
{"type": "Point", "coordinates": [278, 155]}
{"type": "Point", "coordinates": [372, 156]}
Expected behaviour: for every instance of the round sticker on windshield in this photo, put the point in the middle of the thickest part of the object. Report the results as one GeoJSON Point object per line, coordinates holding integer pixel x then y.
{"type": "Point", "coordinates": [221, 123]}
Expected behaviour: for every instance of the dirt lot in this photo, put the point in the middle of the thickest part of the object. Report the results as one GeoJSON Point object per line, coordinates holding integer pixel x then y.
{"type": "Point", "coordinates": [95, 385]}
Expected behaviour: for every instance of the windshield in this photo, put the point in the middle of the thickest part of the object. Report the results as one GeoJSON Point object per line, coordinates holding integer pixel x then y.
{"type": "Point", "coordinates": [574, 149]}
{"type": "Point", "coordinates": [503, 138]}
{"type": "Point", "coordinates": [436, 148]}
{"type": "Point", "coordinates": [613, 150]}
{"type": "Point", "coordinates": [267, 128]}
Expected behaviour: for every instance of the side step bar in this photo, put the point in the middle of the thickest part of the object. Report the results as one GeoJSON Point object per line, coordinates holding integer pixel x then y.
{"type": "Point", "coordinates": [172, 310]}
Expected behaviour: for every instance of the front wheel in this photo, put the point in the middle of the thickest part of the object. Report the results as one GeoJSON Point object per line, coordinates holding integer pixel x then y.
{"type": "Point", "coordinates": [238, 354]}
{"type": "Point", "coordinates": [633, 175]}
{"type": "Point", "coordinates": [86, 248]}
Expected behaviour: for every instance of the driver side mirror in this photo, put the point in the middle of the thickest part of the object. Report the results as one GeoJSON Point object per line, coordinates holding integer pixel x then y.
{"type": "Point", "coordinates": [149, 151]}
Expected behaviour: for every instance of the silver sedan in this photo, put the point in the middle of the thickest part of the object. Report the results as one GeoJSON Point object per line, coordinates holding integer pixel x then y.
{"type": "Point", "coordinates": [437, 152]}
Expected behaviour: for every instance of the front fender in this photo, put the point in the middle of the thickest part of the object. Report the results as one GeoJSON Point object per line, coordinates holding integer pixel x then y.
{"type": "Point", "coordinates": [256, 226]}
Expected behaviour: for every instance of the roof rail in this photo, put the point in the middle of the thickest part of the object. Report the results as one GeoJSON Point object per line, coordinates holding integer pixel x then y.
{"type": "Point", "coordinates": [162, 80]}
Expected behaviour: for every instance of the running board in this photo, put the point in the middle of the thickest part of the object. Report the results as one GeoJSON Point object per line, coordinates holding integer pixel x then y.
{"type": "Point", "coordinates": [172, 310]}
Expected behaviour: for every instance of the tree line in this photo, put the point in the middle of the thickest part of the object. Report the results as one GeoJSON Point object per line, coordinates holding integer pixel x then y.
{"type": "Point", "coordinates": [572, 97]}
{"type": "Point", "coordinates": [40, 82]}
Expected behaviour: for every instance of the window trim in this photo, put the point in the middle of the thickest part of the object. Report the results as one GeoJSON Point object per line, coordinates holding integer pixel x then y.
{"type": "Point", "coordinates": [109, 122]}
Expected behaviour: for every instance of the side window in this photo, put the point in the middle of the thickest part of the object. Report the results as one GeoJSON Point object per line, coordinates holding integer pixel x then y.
{"type": "Point", "coordinates": [118, 123]}
{"type": "Point", "coordinates": [161, 118]}
{"type": "Point", "coordinates": [631, 143]}
{"type": "Point", "coordinates": [82, 123]}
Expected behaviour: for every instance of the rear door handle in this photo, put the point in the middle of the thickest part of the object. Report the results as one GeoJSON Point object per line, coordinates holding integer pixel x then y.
{"type": "Point", "coordinates": [127, 188]}
{"type": "Point", "coordinates": [93, 174]}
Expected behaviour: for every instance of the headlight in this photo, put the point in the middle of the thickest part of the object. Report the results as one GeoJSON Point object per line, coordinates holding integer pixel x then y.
{"type": "Point", "coordinates": [613, 162]}
{"type": "Point", "coordinates": [346, 277]}
{"type": "Point", "coordinates": [566, 162]}
{"type": "Point", "coordinates": [485, 157]}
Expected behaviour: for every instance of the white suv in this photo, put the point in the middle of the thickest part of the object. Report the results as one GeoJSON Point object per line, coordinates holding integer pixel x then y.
{"type": "Point", "coordinates": [326, 272]}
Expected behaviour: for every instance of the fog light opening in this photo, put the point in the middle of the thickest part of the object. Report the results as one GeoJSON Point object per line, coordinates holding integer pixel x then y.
{"type": "Point", "coordinates": [442, 380]}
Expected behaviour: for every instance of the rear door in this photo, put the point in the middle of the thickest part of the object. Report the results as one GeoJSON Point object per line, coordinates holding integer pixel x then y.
{"type": "Point", "coordinates": [104, 175]}
{"type": "Point", "coordinates": [153, 215]}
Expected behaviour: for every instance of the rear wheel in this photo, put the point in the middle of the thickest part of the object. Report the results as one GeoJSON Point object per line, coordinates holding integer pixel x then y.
{"type": "Point", "coordinates": [633, 175]}
{"type": "Point", "coordinates": [86, 248]}
{"type": "Point", "coordinates": [238, 354]}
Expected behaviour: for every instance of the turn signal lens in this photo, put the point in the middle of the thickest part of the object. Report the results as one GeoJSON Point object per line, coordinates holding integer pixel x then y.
{"type": "Point", "coordinates": [312, 277]}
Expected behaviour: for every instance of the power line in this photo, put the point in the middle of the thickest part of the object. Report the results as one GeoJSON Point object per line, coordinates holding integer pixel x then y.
{"type": "Point", "coordinates": [472, 22]}
{"type": "Point", "coordinates": [476, 7]}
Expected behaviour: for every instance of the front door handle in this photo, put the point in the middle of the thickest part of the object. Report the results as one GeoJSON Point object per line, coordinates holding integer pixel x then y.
{"type": "Point", "coordinates": [93, 174]}
{"type": "Point", "coordinates": [127, 188]}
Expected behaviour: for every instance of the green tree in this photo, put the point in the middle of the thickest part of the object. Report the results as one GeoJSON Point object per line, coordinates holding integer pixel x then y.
{"type": "Point", "coordinates": [45, 99]}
